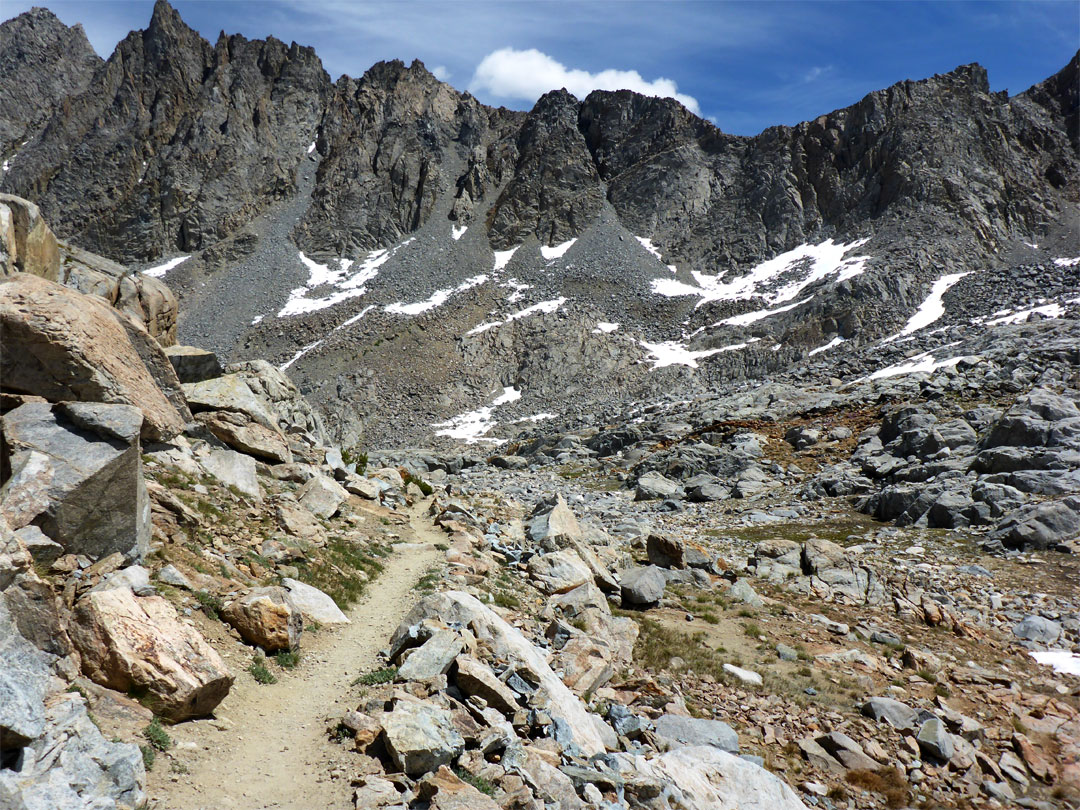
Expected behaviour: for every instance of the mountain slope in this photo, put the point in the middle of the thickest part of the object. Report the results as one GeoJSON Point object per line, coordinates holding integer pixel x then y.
{"type": "Point", "coordinates": [327, 225]}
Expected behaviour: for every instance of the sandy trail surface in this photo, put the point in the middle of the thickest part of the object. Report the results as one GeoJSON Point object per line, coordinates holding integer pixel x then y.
{"type": "Point", "coordinates": [267, 745]}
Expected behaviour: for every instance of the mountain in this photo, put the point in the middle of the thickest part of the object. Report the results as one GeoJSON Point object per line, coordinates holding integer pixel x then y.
{"type": "Point", "coordinates": [360, 231]}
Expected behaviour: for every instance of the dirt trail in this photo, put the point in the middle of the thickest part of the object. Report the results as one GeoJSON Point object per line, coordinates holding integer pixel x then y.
{"type": "Point", "coordinates": [267, 746]}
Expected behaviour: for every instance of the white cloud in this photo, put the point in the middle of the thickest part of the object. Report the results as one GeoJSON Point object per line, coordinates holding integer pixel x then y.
{"type": "Point", "coordinates": [816, 72]}
{"type": "Point", "coordinates": [509, 73]}
{"type": "Point", "coordinates": [441, 73]}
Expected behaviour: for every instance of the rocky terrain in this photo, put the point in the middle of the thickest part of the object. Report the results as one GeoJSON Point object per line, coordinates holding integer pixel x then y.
{"type": "Point", "coordinates": [410, 453]}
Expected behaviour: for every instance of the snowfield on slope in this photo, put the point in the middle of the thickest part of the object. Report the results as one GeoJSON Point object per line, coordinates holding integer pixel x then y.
{"type": "Point", "coordinates": [471, 427]}
{"type": "Point", "coordinates": [777, 280]}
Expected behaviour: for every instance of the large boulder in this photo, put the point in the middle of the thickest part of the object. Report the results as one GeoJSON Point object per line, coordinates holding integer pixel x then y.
{"type": "Point", "coordinates": [72, 765]}
{"type": "Point", "coordinates": [552, 524]}
{"type": "Point", "coordinates": [421, 737]}
{"type": "Point", "coordinates": [30, 246]}
{"type": "Point", "coordinates": [707, 778]}
{"type": "Point", "coordinates": [266, 617]}
{"type": "Point", "coordinates": [679, 730]}
{"type": "Point", "coordinates": [1040, 525]}
{"type": "Point", "coordinates": [322, 496]}
{"type": "Point", "coordinates": [315, 605]}
{"type": "Point", "coordinates": [76, 473]}
{"type": "Point", "coordinates": [559, 571]}
{"type": "Point", "coordinates": [232, 469]}
{"type": "Point", "coordinates": [24, 678]}
{"type": "Point", "coordinates": [642, 586]}
{"type": "Point", "coordinates": [242, 433]}
{"type": "Point", "coordinates": [230, 392]}
{"type": "Point", "coordinates": [654, 486]}
{"type": "Point", "coordinates": [192, 364]}
{"type": "Point", "coordinates": [62, 345]}
{"type": "Point", "coordinates": [146, 300]}
{"type": "Point", "coordinates": [139, 644]}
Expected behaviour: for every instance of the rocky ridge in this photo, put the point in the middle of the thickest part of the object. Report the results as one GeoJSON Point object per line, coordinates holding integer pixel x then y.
{"type": "Point", "coordinates": [380, 212]}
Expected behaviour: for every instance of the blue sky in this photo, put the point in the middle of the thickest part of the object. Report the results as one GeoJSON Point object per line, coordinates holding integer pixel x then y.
{"type": "Point", "coordinates": [745, 65]}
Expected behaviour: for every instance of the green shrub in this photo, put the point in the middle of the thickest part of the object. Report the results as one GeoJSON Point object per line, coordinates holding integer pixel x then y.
{"type": "Point", "coordinates": [287, 659]}
{"type": "Point", "coordinates": [259, 671]}
{"type": "Point", "coordinates": [148, 756]}
{"type": "Point", "coordinates": [423, 485]}
{"type": "Point", "coordinates": [211, 605]}
{"type": "Point", "coordinates": [376, 677]}
{"type": "Point", "coordinates": [157, 736]}
{"type": "Point", "coordinates": [478, 782]}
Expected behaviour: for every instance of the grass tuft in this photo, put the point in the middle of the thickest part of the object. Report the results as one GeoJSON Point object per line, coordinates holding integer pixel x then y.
{"type": "Point", "coordinates": [376, 677]}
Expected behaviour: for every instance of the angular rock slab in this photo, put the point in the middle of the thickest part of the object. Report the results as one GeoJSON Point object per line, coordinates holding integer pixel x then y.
{"type": "Point", "coordinates": [643, 586]}
{"type": "Point", "coordinates": [139, 643]}
{"type": "Point", "coordinates": [315, 605]}
{"type": "Point", "coordinates": [77, 475]}
{"type": "Point", "coordinates": [507, 642]}
{"type": "Point", "coordinates": [322, 496]}
{"type": "Point", "coordinates": [62, 345]}
{"type": "Point", "coordinates": [420, 737]}
{"type": "Point", "coordinates": [432, 658]}
{"type": "Point", "coordinates": [232, 469]}
{"type": "Point", "coordinates": [192, 364]}
{"type": "Point", "coordinates": [679, 730]}
{"type": "Point", "coordinates": [711, 779]}
{"type": "Point", "coordinates": [72, 765]}
{"type": "Point", "coordinates": [266, 617]}
{"type": "Point", "coordinates": [559, 571]}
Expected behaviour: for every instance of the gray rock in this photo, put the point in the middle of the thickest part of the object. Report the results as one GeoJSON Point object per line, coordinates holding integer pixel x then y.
{"type": "Point", "coordinates": [71, 766]}
{"type": "Point", "coordinates": [642, 586]}
{"type": "Point", "coordinates": [552, 524]}
{"type": "Point", "coordinates": [935, 741]}
{"type": "Point", "coordinates": [313, 604]}
{"type": "Point", "coordinates": [893, 712]}
{"type": "Point", "coordinates": [171, 575]}
{"type": "Point", "coordinates": [79, 482]}
{"type": "Point", "coordinates": [742, 591]}
{"type": "Point", "coordinates": [654, 486]}
{"type": "Point", "coordinates": [192, 364]}
{"type": "Point", "coordinates": [1040, 526]}
{"type": "Point", "coordinates": [24, 679]}
{"type": "Point", "coordinates": [322, 496]}
{"type": "Point", "coordinates": [232, 469]}
{"type": "Point", "coordinates": [420, 737]}
{"type": "Point", "coordinates": [679, 730]}
{"type": "Point", "coordinates": [1037, 628]}
{"type": "Point", "coordinates": [41, 548]}
{"type": "Point", "coordinates": [434, 657]}
{"type": "Point", "coordinates": [786, 653]}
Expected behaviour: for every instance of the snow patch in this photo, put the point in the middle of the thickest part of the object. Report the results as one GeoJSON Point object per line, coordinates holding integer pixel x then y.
{"type": "Point", "coordinates": [556, 252]}
{"type": "Point", "coordinates": [1061, 660]}
{"type": "Point", "coordinates": [503, 257]}
{"type": "Point", "coordinates": [1067, 262]}
{"type": "Point", "coordinates": [777, 280]}
{"type": "Point", "coordinates": [311, 148]}
{"type": "Point", "coordinates": [1054, 310]}
{"type": "Point", "coordinates": [836, 341]}
{"type": "Point", "coordinates": [924, 363]}
{"type": "Point", "coordinates": [753, 317]}
{"type": "Point", "coordinates": [437, 299]}
{"type": "Point", "coordinates": [300, 353]}
{"type": "Point", "coordinates": [603, 328]}
{"type": "Point", "coordinates": [649, 246]}
{"type": "Point", "coordinates": [257, 319]}
{"type": "Point", "coordinates": [932, 308]}
{"type": "Point", "coordinates": [456, 233]}
{"type": "Point", "coordinates": [672, 353]}
{"type": "Point", "coordinates": [159, 270]}
{"type": "Point", "coordinates": [518, 290]}
{"type": "Point", "coordinates": [546, 307]}
{"type": "Point", "coordinates": [471, 426]}
{"type": "Point", "coordinates": [349, 279]}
